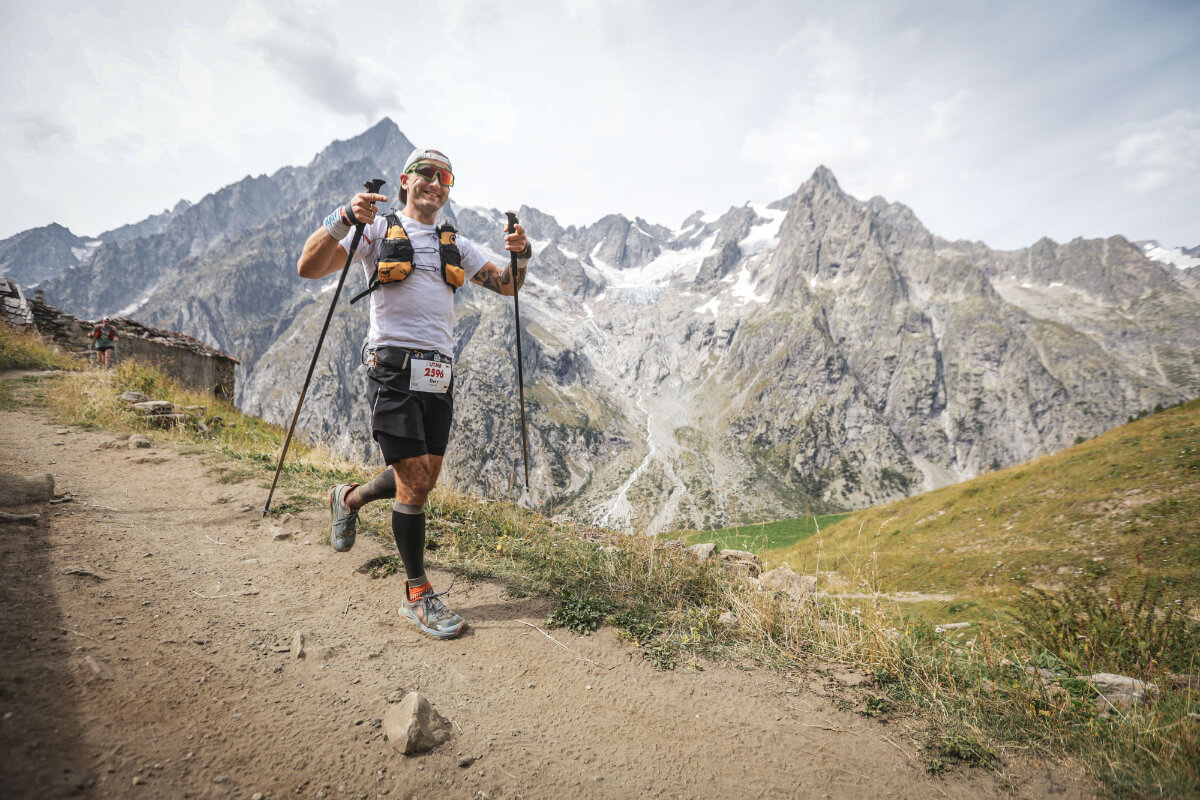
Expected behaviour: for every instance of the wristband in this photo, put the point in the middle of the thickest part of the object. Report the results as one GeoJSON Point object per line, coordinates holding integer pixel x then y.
{"type": "Point", "coordinates": [335, 224]}
{"type": "Point", "coordinates": [522, 264]}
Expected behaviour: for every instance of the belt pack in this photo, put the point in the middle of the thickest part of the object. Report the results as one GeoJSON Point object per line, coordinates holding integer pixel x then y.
{"type": "Point", "coordinates": [396, 257]}
{"type": "Point", "coordinates": [398, 357]}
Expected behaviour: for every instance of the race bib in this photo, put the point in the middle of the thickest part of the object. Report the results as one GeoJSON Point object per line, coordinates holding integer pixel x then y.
{"type": "Point", "coordinates": [430, 374]}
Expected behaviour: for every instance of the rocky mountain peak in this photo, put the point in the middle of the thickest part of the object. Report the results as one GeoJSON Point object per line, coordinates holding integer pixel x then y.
{"type": "Point", "coordinates": [381, 139]}
{"type": "Point", "coordinates": [824, 176]}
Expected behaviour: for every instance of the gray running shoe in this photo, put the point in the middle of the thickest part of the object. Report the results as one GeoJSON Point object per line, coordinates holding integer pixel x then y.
{"type": "Point", "coordinates": [430, 614]}
{"type": "Point", "coordinates": [345, 518]}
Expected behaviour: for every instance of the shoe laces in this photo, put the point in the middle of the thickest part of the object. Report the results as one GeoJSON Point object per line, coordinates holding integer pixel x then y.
{"type": "Point", "coordinates": [433, 602]}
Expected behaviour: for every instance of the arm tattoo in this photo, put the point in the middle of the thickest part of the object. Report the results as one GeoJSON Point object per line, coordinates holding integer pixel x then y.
{"type": "Point", "coordinates": [488, 278]}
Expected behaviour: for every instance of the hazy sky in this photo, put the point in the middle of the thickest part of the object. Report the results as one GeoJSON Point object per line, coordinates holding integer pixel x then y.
{"type": "Point", "coordinates": [998, 121]}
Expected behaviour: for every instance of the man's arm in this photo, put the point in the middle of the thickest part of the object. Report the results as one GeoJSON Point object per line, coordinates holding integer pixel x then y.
{"type": "Point", "coordinates": [323, 253]}
{"type": "Point", "coordinates": [501, 281]}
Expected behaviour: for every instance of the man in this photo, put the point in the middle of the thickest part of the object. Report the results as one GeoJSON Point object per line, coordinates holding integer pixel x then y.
{"type": "Point", "coordinates": [414, 271]}
{"type": "Point", "coordinates": [105, 335]}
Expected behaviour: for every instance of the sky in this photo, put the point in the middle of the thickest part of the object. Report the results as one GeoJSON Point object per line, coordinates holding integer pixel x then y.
{"type": "Point", "coordinates": [1000, 122]}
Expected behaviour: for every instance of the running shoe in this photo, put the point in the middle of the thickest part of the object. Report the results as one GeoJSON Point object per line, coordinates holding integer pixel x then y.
{"type": "Point", "coordinates": [345, 518]}
{"type": "Point", "coordinates": [430, 614]}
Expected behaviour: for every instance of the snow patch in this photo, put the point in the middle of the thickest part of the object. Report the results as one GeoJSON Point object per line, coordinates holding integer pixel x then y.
{"type": "Point", "coordinates": [712, 305]}
{"type": "Point", "coordinates": [1173, 256]}
{"type": "Point", "coordinates": [746, 290]}
{"type": "Point", "coordinates": [764, 236]}
{"type": "Point", "coordinates": [133, 307]}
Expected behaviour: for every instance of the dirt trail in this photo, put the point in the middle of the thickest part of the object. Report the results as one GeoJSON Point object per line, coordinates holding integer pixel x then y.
{"type": "Point", "coordinates": [166, 673]}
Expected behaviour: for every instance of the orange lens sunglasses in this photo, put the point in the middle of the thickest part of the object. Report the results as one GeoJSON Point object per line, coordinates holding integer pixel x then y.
{"type": "Point", "coordinates": [431, 171]}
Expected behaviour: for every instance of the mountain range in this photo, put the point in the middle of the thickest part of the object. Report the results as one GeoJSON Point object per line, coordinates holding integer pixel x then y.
{"type": "Point", "coordinates": [814, 353]}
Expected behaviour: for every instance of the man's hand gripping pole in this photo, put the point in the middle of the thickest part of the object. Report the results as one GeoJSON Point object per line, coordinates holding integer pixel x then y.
{"type": "Point", "coordinates": [372, 186]}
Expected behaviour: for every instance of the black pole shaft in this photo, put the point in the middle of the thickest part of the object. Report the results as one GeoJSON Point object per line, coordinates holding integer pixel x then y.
{"type": "Point", "coordinates": [373, 187]}
{"type": "Point", "coordinates": [512, 221]}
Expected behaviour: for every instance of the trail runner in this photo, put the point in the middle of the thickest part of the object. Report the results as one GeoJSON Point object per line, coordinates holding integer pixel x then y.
{"type": "Point", "coordinates": [410, 351]}
{"type": "Point", "coordinates": [105, 335]}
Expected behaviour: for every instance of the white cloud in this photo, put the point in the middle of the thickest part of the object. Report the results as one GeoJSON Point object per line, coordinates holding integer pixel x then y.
{"type": "Point", "coordinates": [300, 46]}
{"type": "Point", "coordinates": [1161, 152]}
{"type": "Point", "coordinates": [830, 120]}
{"type": "Point", "coordinates": [946, 118]}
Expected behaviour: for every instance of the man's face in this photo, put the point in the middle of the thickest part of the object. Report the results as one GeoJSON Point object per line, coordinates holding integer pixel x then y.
{"type": "Point", "coordinates": [426, 195]}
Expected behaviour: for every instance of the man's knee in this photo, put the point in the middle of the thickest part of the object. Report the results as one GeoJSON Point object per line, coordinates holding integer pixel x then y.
{"type": "Point", "coordinates": [414, 480]}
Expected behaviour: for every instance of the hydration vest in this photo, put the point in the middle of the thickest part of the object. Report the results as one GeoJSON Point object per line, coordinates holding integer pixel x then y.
{"type": "Point", "coordinates": [396, 257]}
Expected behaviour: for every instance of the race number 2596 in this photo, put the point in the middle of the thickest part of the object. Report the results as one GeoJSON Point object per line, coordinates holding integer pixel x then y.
{"type": "Point", "coordinates": [430, 375]}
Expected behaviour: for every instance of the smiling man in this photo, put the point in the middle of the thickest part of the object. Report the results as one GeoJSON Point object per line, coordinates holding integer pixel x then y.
{"type": "Point", "coordinates": [413, 268]}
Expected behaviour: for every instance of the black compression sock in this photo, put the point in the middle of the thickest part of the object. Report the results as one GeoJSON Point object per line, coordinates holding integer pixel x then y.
{"type": "Point", "coordinates": [408, 528]}
{"type": "Point", "coordinates": [382, 488]}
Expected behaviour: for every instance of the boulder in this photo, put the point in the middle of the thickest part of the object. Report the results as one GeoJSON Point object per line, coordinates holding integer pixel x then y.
{"type": "Point", "coordinates": [16, 490]}
{"type": "Point", "coordinates": [133, 397]}
{"type": "Point", "coordinates": [703, 551]}
{"type": "Point", "coordinates": [139, 441]}
{"type": "Point", "coordinates": [151, 407]}
{"type": "Point", "coordinates": [414, 726]}
{"type": "Point", "coordinates": [168, 420]}
{"type": "Point", "coordinates": [782, 579]}
{"type": "Point", "coordinates": [1120, 690]}
{"type": "Point", "coordinates": [740, 562]}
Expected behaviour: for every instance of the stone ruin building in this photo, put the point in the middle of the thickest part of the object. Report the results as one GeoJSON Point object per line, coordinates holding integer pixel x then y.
{"type": "Point", "coordinates": [187, 360]}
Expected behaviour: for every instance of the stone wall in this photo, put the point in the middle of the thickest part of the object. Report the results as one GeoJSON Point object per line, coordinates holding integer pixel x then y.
{"type": "Point", "coordinates": [14, 308]}
{"type": "Point", "coordinates": [187, 360]}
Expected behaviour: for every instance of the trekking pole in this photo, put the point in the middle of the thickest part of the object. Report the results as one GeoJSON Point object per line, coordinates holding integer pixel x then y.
{"type": "Point", "coordinates": [372, 186]}
{"type": "Point", "coordinates": [512, 223]}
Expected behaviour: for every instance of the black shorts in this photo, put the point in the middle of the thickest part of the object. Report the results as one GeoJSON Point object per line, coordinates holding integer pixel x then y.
{"type": "Point", "coordinates": [405, 423]}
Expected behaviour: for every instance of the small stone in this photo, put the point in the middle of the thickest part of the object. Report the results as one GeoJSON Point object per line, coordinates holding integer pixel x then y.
{"type": "Point", "coordinates": [783, 579]}
{"type": "Point", "coordinates": [414, 726]}
{"type": "Point", "coordinates": [16, 490]}
{"type": "Point", "coordinates": [466, 761]}
{"type": "Point", "coordinates": [740, 562]}
{"type": "Point", "coordinates": [138, 780]}
{"type": "Point", "coordinates": [256, 796]}
{"type": "Point", "coordinates": [221, 779]}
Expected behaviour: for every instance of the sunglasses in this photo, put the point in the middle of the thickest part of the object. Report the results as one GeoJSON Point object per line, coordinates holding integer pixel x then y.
{"type": "Point", "coordinates": [430, 172]}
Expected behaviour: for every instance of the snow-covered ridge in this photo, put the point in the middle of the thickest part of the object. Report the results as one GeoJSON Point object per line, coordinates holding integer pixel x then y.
{"type": "Point", "coordinates": [668, 264]}
{"type": "Point", "coordinates": [1173, 255]}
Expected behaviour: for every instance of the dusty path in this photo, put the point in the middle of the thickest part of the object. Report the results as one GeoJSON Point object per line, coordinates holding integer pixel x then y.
{"type": "Point", "coordinates": [168, 674]}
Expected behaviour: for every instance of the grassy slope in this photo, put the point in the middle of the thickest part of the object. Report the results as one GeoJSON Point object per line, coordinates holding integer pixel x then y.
{"type": "Point", "coordinates": [1116, 511]}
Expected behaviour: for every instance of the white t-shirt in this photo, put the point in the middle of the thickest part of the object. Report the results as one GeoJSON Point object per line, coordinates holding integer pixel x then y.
{"type": "Point", "coordinates": [417, 312]}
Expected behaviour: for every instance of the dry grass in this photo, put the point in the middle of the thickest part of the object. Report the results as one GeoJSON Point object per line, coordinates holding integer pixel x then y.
{"type": "Point", "coordinates": [27, 350]}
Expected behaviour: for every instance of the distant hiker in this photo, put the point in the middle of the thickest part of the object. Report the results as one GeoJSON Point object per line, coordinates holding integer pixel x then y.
{"type": "Point", "coordinates": [413, 270]}
{"type": "Point", "coordinates": [105, 335]}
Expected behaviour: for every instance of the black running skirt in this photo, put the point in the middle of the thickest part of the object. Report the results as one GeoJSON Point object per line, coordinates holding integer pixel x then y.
{"type": "Point", "coordinates": [411, 423]}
